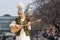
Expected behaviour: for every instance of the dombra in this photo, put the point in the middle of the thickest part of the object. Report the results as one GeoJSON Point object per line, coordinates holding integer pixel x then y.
{"type": "Point", "coordinates": [16, 29]}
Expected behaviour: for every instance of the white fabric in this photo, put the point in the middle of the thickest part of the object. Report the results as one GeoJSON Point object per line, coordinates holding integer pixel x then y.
{"type": "Point", "coordinates": [22, 35]}
{"type": "Point", "coordinates": [13, 24]}
{"type": "Point", "coordinates": [23, 19]}
{"type": "Point", "coordinates": [29, 27]}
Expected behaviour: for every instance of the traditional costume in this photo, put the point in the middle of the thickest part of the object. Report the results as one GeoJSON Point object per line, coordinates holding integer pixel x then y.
{"type": "Point", "coordinates": [22, 34]}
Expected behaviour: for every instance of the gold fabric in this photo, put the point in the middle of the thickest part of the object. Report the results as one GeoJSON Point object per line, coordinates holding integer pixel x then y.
{"type": "Point", "coordinates": [25, 27]}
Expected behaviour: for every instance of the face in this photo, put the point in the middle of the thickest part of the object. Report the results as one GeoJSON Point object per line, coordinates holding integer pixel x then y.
{"type": "Point", "coordinates": [21, 14]}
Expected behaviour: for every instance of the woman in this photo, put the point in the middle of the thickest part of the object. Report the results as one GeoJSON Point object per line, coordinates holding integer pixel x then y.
{"type": "Point", "coordinates": [19, 22]}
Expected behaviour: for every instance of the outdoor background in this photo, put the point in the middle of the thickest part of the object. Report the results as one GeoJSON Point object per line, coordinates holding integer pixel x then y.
{"type": "Point", "coordinates": [46, 10]}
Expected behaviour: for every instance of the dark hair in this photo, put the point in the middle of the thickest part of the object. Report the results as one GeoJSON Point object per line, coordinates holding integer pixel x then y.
{"type": "Point", "coordinates": [18, 13]}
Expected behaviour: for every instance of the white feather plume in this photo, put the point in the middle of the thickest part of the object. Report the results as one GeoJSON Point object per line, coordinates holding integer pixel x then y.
{"type": "Point", "coordinates": [20, 5]}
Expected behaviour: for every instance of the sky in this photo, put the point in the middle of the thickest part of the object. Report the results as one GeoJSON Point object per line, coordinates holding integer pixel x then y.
{"type": "Point", "coordinates": [9, 6]}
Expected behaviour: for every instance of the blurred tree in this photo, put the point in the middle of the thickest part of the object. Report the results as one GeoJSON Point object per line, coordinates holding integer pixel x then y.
{"type": "Point", "coordinates": [48, 11]}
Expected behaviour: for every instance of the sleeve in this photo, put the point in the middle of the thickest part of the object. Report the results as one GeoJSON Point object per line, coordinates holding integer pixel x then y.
{"type": "Point", "coordinates": [29, 26]}
{"type": "Point", "coordinates": [12, 24]}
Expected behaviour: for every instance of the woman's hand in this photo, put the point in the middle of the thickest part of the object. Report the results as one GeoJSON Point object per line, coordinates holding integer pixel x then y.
{"type": "Point", "coordinates": [19, 26]}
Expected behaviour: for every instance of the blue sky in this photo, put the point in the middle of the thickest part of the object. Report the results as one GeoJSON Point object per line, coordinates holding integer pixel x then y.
{"type": "Point", "coordinates": [9, 6]}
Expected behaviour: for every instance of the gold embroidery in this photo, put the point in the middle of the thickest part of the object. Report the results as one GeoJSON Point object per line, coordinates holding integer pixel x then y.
{"type": "Point", "coordinates": [24, 23]}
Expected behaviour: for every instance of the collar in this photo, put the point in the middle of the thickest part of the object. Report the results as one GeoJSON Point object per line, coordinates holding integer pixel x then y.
{"type": "Point", "coordinates": [23, 19]}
